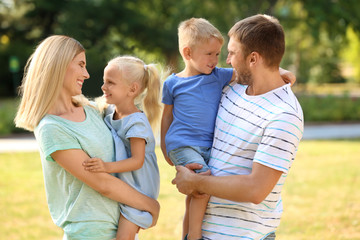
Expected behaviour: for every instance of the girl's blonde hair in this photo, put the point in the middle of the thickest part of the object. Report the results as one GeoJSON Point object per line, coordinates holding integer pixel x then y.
{"type": "Point", "coordinates": [43, 79]}
{"type": "Point", "coordinates": [148, 77]}
{"type": "Point", "coordinates": [196, 31]}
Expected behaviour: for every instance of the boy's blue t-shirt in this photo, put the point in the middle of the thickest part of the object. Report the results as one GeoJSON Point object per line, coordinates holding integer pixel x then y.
{"type": "Point", "coordinates": [195, 103]}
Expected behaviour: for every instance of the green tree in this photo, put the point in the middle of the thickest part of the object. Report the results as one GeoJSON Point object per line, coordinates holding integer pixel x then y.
{"type": "Point", "coordinates": [315, 30]}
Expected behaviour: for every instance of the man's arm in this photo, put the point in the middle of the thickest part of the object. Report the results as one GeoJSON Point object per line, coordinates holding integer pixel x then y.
{"type": "Point", "coordinates": [166, 121]}
{"type": "Point", "coordinates": [254, 187]}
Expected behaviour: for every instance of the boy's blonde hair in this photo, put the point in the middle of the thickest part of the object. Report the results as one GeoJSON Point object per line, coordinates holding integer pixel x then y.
{"type": "Point", "coordinates": [148, 77]}
{"type": "Point", "coordinates": [43, 79]}
{"type": "Point", "coordinates": [196, 31]}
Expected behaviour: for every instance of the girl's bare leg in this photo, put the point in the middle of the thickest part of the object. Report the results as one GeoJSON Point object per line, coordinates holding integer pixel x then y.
{"type": "Point", "coordinates": [126, 229]}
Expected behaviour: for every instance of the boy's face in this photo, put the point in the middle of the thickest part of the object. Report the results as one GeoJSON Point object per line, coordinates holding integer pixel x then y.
{"type": "Point", "coordinates": [204, 57]}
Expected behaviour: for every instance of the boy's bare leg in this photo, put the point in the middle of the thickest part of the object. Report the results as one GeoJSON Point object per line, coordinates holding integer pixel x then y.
{"type": "Point", "coordinates": [186, 217]}
{"type": "Point", "coordinates": [196, 215]}
{"type": "Point", "coordinates": [126, 229]}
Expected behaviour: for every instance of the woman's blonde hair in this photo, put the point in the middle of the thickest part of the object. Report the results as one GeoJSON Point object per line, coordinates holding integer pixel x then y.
{"type": "Point", "coordinates": [43, 79]}
{"type": "Point", "coordinates": [196, 31]}
{"type": "Point", "coordinates": [149, 79]}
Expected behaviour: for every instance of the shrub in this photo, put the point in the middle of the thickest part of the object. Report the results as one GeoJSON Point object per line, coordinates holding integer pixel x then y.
{"type": "Point", "coordinates": [330, 108]}
{"type": "Point", "coordinates": [8, 109]}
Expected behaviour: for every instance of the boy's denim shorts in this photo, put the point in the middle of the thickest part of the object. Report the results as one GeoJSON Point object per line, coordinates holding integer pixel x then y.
{"type": "Point", "coordinates": [191, 154]}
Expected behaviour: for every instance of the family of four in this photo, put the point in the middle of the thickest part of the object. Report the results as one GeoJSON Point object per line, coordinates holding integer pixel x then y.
{"type": "Point", "coordinates": [232, 134]}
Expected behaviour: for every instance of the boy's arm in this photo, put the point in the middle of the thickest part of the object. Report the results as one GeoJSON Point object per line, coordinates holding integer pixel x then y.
{"type": "Point", "coordinates": [166, 121]}
{"type": "Point", "coordinates": [234, 76]}
{"type": "Point", "coordinates": [130, 164]}
{"type": "Point", "coordinates": [287, 76]}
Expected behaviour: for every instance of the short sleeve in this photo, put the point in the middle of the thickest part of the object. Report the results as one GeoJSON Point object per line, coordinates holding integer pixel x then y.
{"type": "Point", "coordinates": [138, 127]}
{"type": "Point", "coordinates": [52, 138]}
{"type": "Point", "coordinates": [167, 96]}
{"type": "Point", "coordinates": [225, 74]}
{"type": "Point", "coordinates": [279, 143]}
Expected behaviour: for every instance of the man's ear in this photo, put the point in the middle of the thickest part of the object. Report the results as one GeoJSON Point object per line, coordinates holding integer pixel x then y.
{"type": "Point", "coordinates": [186, 52]}
{"type": "Point", "coordinates": [254, 58]}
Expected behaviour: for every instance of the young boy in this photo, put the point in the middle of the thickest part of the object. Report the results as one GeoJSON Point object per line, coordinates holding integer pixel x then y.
{"type": "Point", "coordinates": [191, 100]}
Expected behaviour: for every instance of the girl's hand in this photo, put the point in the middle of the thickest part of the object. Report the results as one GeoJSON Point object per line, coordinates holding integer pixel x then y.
{"type": "Point", "coordinates": [94, 165]}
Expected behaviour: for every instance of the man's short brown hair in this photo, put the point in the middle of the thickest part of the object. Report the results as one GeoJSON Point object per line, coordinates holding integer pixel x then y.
{"type": "Point", "coordinates": [262, 34]}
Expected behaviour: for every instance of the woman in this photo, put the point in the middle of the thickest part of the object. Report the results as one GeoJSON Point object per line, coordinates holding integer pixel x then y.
{"type": "Point", "coordinates": [69, 130]}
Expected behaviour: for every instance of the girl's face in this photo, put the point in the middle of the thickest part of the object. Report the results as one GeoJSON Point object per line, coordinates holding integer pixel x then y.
{"type": "Point", "coordinates": [115, 88]}
{"type": "Point", "coordinates": [75, 75]}
{"type": "Point", "coordinates": [205, 56]}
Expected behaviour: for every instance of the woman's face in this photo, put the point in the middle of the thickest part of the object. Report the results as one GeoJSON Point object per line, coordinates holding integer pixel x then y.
{"type": "Point", "coordinates": [75, 75]}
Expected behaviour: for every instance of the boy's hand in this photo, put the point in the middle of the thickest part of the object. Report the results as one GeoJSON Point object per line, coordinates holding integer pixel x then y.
{"type": "Point", "coordinates": [94, 165]}
{"type": "Point", "coordinates": [287, 76]}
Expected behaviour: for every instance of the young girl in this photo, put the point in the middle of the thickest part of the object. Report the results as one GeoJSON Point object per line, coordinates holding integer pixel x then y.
{"type": "Point", "coordinates": [126, 79]}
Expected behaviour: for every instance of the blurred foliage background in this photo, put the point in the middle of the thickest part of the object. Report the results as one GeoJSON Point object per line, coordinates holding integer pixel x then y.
{"type": "Point", "coordinates": [322, 37]}
{"type": "Point", "coordinates": [322, 42]}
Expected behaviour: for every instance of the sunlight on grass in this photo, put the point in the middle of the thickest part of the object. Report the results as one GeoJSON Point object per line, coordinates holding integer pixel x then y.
{"type": "Point", "coordinates": [321, 197]}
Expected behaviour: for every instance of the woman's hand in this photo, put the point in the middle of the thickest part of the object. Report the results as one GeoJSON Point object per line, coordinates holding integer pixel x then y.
{"type": "Point", "coordinates": [155, 213]}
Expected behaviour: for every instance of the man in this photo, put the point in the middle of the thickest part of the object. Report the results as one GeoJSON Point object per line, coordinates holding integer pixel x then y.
{"type": "Point", "coordinates": [258, 129]}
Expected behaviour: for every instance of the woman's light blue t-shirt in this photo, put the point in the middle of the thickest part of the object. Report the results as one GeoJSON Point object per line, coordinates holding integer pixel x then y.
{"type": "Point", "coordinates": [82, 212]}
{"type": "Point", "coordinates": [195, 103]}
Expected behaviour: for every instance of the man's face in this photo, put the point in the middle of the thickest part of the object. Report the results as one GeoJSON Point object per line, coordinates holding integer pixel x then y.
{"type": "Point", "coordinates": [239, 62]}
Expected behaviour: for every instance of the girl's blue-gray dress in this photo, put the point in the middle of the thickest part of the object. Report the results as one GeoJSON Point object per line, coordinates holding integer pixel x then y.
{"type": "Point", "coordinates": [146, 179]}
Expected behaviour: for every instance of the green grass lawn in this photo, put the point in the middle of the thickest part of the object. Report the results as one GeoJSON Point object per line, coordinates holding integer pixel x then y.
{"type": "Point", "coordinates": [321, 197]}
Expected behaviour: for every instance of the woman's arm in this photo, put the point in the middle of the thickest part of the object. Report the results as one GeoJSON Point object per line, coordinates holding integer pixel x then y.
{"type": "Point", "coordinates": [109, 186]}
{"type": "Point", "coordinates": [166, 121]}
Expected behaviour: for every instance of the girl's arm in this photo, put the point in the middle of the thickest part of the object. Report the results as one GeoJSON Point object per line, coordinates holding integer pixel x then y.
{"type": "Point", "coordinates": [109, 186]}
{"type": "Point", "coordinates": [166, 121]}
{"type": "Point", "coordinates": [133, 163]}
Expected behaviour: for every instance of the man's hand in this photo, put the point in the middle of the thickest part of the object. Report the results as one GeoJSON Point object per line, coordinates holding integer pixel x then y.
{"type": "Point", "coordinates": [183, 180]}
{"type": "Point", "coordinates": [186, 179]}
